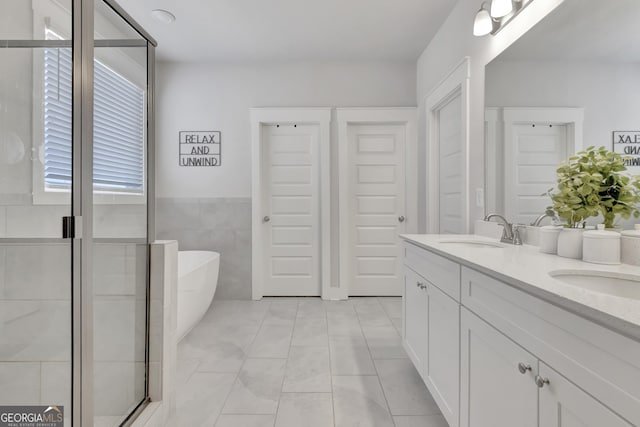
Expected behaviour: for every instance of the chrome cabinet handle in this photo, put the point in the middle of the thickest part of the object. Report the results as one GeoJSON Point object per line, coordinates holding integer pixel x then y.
{"type": "Point", "coordinates": [266, 219]}
{"type": "Point", "coordinates": [421, 285]}
{"type": "Point", "coordinates": [401, 218]}
{"type": "Point", "coordinates": [540, 382]}
{"type": "Point", "coordinates": [523, 368]}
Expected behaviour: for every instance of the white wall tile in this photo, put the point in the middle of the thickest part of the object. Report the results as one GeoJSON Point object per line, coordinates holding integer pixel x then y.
{"type": "Point", "coordinates": [118, 330]}
{"type": "Point", "coordinates": [20, 383]}
{"type": "Point", "coordinates": [56, 384]}
{"type": "Point", "coordinates": [38, 272]}
{"type": "Point", "coordinates": [35, 330]}
{"type": "Point", "coordinates": [117, 387]}
{"type": "Point", "coordinates": [3, 221]}
{"type": "Point", "coordinates": [35, 221]}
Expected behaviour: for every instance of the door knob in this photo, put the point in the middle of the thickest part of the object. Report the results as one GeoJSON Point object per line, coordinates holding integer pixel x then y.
{"type": "Point", "coordinates": [540, 382]}
{"type": "Point", "coordinates": [401, 218]}
{"type": "Point", "coordinates": [523, 368]}
{"type": "Point", "coordinates": [266, 219]}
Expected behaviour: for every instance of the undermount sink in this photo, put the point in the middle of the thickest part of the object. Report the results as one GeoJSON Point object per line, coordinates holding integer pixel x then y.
{"type": "Point", "coordinates": [616, 284]}
{"type": "Point", "coordinates": [470, 243]}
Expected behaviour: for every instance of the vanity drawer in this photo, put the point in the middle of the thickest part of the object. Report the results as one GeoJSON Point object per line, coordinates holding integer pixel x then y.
{"type": "Point", "coordinates": [441, 272]}
{"type": "Point", "coordinates": [598, 360]}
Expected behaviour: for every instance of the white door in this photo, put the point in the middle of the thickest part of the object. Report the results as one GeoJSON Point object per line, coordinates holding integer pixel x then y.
{"type": "Point", "coordinates": [291, 210]}
{"type": "Point", "coordinates": [450, 167]}
{"type": "Point", "coordinates": [562, 404]}
{"type": "Point", "coordinates": [493, 390]}
{"type": "Point", "coordinates": [376, 185]}
{"type": "Point", "coordinates": [531, 158]}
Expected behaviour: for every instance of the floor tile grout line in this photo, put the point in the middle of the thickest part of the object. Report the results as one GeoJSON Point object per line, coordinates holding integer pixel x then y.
{"type": "Point", "coordinates": [378, 373]}
{"type": "Point", "coordinates": [286, 365]}
{"type": "Point", "coordinates": [235, 380]}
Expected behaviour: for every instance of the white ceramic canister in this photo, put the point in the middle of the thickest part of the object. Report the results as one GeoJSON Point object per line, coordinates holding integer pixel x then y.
{"type": "Point", "coordinates": [570, 243]}
{"type": "Point", "coordinates": [630, 246]}
{"type": "Point", "coordinates": [601, 246]}
{"type": "Point", "coordinates": [548, 238]}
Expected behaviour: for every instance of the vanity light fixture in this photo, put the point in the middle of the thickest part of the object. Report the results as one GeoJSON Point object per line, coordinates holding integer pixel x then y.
{"type": "Point", "coordinates": [163, 16]}
{"type": "Point", "coordinates": [484, 23]}
{"type": "Point", "coordinates": [500, 8]}
{"type": "Point", "coordinates": [491, 19]}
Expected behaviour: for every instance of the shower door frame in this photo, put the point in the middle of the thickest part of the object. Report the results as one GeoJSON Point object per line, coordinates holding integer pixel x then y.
{"type": "Point", "coordinates": [83, 42]}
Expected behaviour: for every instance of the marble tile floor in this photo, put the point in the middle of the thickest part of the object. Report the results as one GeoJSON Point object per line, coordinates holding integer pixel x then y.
{"type": "Point", "coordinates": [293, 362]}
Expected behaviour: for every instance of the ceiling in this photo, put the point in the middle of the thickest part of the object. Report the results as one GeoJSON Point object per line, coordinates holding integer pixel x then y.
{"type": "Point", "coordinates": [583, 30]}
{"type": "Point", "coordinates": [291, 30]}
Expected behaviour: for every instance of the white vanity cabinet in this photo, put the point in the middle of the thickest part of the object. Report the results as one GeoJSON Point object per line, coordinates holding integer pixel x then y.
{"type": "Point", "coordinates": [497, 387]}
{"type": "Point", "coordinates": [493, 355]}
{"type": "Point", "coordinates": [432, 326]}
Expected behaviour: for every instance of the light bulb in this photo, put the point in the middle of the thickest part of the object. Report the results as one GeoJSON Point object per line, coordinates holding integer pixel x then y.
{"type": "Point", "coordinates": [483, 24]}
{"type": "Point", "coordinates": [500, 8]}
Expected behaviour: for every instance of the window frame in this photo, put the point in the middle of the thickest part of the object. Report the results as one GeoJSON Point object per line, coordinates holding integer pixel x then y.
{"type": "Point", "coordinates": [121, 64]}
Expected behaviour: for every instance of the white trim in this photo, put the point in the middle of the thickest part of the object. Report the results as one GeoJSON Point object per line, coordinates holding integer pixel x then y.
{"type": "Point", "coordinates": [573, 118]}
{"type": "Point", "coordinates": [454, 84]}
{"type": "Point", "coordinates": [268, 116]}
{"type": "Point", "coordinates": [406, 116]}
{"type": "Point", "coordinates": [493, 159]}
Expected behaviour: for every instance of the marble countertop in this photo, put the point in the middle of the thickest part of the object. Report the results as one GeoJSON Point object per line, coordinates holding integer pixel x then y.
{"type": "Point", "coordinates": [525, 268]}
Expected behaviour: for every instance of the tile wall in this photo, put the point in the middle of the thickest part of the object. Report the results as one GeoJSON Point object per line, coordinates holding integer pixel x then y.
{"type": "Point", "coordinates": [217, 224]}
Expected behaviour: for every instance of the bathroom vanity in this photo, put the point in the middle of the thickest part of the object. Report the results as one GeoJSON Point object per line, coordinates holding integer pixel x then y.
{"type": "Point", "coordinates": [501, 342]}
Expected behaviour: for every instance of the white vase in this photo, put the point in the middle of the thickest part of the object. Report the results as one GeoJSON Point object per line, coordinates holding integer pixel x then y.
{"type": "Point", "coordinates": [570, 243]}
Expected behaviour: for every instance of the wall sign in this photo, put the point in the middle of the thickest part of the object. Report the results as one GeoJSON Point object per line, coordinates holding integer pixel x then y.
{"type": "Point", "coordinates": [200, 148]}
{"type": "Point", "coordinates": [627, 144]}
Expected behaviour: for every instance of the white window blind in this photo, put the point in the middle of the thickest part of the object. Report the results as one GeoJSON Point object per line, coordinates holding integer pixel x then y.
{"type": "Point", "coordinates": [118, 127]}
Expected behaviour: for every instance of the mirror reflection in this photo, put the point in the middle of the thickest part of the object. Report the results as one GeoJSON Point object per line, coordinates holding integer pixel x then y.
{"type": "Point", "coordinates": [569, 83]}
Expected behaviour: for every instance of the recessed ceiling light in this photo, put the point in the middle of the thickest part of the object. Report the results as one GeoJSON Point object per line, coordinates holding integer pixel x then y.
{"type": "Point", "coordinates": [163, 16]}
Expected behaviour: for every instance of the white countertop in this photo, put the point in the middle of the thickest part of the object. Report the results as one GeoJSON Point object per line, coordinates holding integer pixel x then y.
{"type": "Point", "coordinates": [528, 269]}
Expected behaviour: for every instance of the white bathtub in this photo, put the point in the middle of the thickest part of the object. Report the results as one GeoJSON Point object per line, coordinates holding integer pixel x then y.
{"type": "Point", "coordinates": [197, 281]}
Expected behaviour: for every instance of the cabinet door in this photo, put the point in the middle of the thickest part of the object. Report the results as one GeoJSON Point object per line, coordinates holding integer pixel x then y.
{"type": "Point", "coordinates": [442, 367]}
{"type": "Point", "coordinates": [562, 404]}
{"type": "Point", "coordinates": [415, 318]}
{"type": "Point", "coordinates": [493, 390]}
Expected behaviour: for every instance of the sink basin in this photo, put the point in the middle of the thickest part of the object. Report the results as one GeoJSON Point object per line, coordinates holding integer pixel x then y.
{"type": "Point", "coordinates": [472, 243]}
{"type": "Point", "coordinates": [616, 284]}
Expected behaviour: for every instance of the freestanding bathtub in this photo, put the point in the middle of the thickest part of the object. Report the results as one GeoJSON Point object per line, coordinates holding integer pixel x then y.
{"type": "Point", "coordinates": [197, 281]}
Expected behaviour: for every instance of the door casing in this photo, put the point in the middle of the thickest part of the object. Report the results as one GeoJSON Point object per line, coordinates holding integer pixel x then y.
{"type": "Point", "coordinates": [406, 116]}
{"type": "Point", "coordinates": [273, 116]}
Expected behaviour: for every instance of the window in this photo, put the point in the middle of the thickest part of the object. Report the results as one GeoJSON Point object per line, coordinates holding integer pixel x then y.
{"type": "Point", "coordinates": [118, 132]}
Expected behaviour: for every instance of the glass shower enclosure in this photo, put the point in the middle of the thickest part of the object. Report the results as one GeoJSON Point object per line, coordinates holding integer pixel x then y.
{"type": "Point", "coordinates": [76, 210]}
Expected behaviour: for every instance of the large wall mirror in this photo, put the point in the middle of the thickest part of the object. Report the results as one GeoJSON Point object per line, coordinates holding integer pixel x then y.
{"type": "Point", "coordinates": [569, 83]}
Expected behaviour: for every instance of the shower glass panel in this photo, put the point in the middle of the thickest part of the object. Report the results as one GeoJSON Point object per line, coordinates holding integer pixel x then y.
{"type": "Point", "coordinates": [35, 260]}
{"type": "Point", "coordinates": [119, 217]}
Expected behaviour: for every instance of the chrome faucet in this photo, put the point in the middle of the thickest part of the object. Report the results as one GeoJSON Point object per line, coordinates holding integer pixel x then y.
{"type": "Point", "coordinates": [537, 221]}
{"type": "Point", "coordinates": [510, 232]}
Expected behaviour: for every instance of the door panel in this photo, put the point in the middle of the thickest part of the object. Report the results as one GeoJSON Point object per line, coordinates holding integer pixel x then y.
{"type": "Point", "coordinates": [562, 404]}
{"type": "Point", "coordinates": [376, 201]}
{"type": "Point", "coordinates": [450, 169]}
{"type": "Point", "coordinates": [530, 167]}
{"type": "Point", "coordinates": [291, 188]}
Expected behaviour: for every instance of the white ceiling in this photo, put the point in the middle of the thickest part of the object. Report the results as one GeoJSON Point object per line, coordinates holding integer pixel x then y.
{"type": "Point", "coordinates": [584, 30]}
{"type": "Point", "coordinates": [292, 30]}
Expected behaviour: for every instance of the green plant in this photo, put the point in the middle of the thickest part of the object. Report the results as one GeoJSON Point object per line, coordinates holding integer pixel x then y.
{"type": "Point", "coordinates": [594, 182]}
